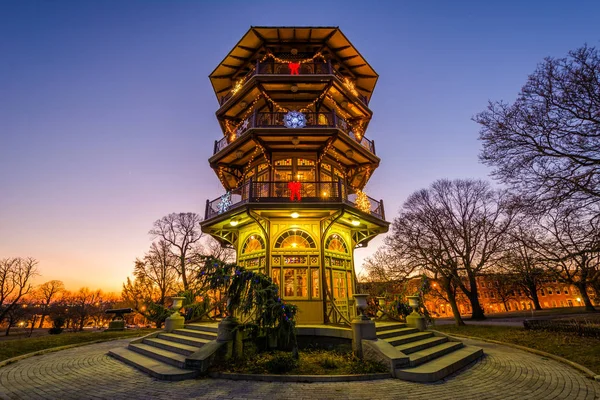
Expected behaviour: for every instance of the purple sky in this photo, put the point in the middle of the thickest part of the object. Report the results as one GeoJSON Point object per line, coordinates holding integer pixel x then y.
{"type": "Point", "coordinates": [107, 114]}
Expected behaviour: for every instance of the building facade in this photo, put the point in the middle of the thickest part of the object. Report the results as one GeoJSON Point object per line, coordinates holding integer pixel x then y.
{"type": "Point", "coordinates": [293, 161]}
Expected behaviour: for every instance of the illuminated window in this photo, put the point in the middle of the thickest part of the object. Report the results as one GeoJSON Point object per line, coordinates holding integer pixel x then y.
{"type": "Point", "coordinates": [339, 284]}
{"type": "Point", "coordinates": [336, 243]}
{"type": "Point", "coordinates": [315, 283]}
{"type": "Point", "coordinates": [349, 284]}
{"type": "Point", "coordinates": [253, 243]}
{"type": "Point", "coordinates": [295, 239]}
{"type": "Point", "coordinates": [294, 280]}
{"type": "Point", "coordinates": [275, 273]}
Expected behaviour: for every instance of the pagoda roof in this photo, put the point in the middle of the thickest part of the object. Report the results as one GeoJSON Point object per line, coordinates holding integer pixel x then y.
{"type": "Point", "coordinates": [257, 36]}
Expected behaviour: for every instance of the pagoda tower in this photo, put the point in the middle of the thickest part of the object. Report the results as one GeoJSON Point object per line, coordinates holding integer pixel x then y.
{"type": "Point", "coordinates": [294, 160]}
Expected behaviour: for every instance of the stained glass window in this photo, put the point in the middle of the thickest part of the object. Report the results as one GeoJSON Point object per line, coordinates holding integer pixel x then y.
{"type": "Point", "coordinates": [295, 239]}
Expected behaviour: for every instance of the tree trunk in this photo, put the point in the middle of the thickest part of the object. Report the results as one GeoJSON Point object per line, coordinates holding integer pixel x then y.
{"type": "Point", "coordinates": [183, 277]}
{"type": "Point", "coordinates": [505, 305]}
{"type": "Point", "coordinates": [582, 287]}
{"type": "Point", "coordinates": [534, 296]}
{"type": "Point", "coordinates": [40, 326]}
{"type": "Point", "coordinates": [451, 293]}
{"type": "Point", "coordinates": [477, 312]}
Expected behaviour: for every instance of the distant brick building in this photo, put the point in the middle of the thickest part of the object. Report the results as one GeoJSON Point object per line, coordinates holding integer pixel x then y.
{"type": "Point", "coordinates": [552, 294]}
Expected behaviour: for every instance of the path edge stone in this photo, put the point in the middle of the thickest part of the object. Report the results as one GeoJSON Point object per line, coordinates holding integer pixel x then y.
{"type": "Point", "coordinates": [53, 349]}
{"type": "Point", "coordinates": [586, 371]}
{"type": "Point", "coordinates": [299, 378]}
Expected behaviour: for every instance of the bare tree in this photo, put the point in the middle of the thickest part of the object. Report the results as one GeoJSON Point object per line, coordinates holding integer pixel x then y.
{"type": "Point", "coordinates": [460, 230]}
{"type": "Point", "coordinates": [158, 270]}
{"type": "Point", "coordinates": [82, 305]}
{"type": "Point", "coordinates": [416, 244]}
{"type": "Point", "coordinates": [522, 259]}
{"type": "Point", "coordinates": [386, 267]}
{"type": "Point", "coordinates": [182, 232]}
{"type": "Point", "coordinates": [46, 293]}
{"type": "Point", "coordinates": [572, 247]}
{"type": "Point", "coordinates": [547, 143]}
{"type": "Point", "coordinates": [15, 281]}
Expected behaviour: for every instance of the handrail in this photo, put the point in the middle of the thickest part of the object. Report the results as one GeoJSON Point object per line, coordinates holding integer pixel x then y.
{"type": "Point", "coordinates": [281, 192]}
{"type": "Point", "coordinates": [276, 120]}
{"type": "Point", "coordinates": [272, 67]}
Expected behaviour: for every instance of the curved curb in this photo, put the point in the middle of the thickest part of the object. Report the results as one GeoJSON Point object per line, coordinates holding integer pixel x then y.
{"type": "Point", "coordinates": [590, 374]}
{"type": "Point", "coordinates": [53, 349]}
{"type": "Point", "coordinates": [299, 378]}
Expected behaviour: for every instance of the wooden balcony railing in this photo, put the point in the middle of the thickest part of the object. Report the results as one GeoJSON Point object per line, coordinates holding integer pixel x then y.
{"type": "Point", "coordinates": [270, 67]}
{"type": "Point", "coordinates": [313, 120]}
{"type": "Point", "coordinates": [279, 192]}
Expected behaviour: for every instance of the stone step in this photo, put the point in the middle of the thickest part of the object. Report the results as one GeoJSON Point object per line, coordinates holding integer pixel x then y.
{"type": "Point", "coordinates": [152, 367]}
{"type": "Point", "coordinates": [396, 332]}
{"type": "Point", "coordinates": [412, 337]}
{"type": "Point", "coordinates": [440, 367]}
{"type": "Point", "coordinates": [422, 356]}
{"type": "Point", "coordinates": [166, 356]}
{"type": "Point", "coordinates": [175, 347]}
{"type": "Point", "coordinates": [206, 327]}
{"type": "Point", "coordinates": [381, 327]}
{"type": "Point", "coordinates": [183, 339]}
{"type": "Point", "coordinates": [412, 347]}
{"type": "Point", "coordinates": [196, 333]}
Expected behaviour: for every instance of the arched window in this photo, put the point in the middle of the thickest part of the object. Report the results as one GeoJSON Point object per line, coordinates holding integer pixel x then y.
{"type": "Point", "coordinates": [253, 243]}
{"type": "Point", "coordinates": [336, 243]}
{"type": "Point", "coordinates": [295, 239]}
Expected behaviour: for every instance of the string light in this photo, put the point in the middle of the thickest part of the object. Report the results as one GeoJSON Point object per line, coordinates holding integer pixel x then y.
{"type": "Point", "coordinates": [306, 60]}
{"type": "Point", "coordinates": [350, 86]}
{"type": "Point", "coordinates": [362, 201]}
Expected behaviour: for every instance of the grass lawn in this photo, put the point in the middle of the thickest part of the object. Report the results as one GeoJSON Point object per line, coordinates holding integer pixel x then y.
{"type": "Point", "coordinates": [310, 362]}
{"type": "Point", "coordinates": [582, 350]}
{"type": "Point", "coordinates": [17, 347]}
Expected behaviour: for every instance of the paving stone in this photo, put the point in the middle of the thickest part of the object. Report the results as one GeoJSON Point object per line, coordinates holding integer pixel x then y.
{"type": "Point", "coordinates": [87, 372]}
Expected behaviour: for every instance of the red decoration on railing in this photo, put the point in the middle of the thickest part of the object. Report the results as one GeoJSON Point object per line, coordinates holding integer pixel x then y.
{"type": "Point", "coordinates": [295, 190]}
{"type": "Point", "coordinates": [294, 68]}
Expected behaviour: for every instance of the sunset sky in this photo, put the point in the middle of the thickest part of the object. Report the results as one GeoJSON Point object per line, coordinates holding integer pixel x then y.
{"type": "Point", "coordinates": [107, 114]}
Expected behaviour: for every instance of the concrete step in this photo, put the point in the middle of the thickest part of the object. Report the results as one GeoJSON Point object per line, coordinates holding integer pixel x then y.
{"type": "Point", "coordinates": [420, 357]}
{"type": "Point", "coordinates": [166, 356]}
{"type": "Point", "coordinates": [196, 333]}
{"type": "Point", "coordinates": [183, 339]}
{"type": "Point", "coordinates": [386, 326]}
{"type": "Point", "coordinates": [206, 327]}
{"type": "Point", "coordinates": [396, 332]}
{"type": "Point", "coordinates": [411, 337]}
{"type": "Point", "coordinates": [440, 367]}
{"type": "Point", "coordinates": [175, 347]}
{"type": "Point", "coordinates": [412, 347]}
{"type": "Point", "coordinates": [152, 367]}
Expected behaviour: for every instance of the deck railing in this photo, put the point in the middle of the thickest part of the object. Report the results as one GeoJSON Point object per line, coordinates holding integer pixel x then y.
{"type": "Point", "coordinates": [280, 192]}
{"type": "Point", "coordinates": [313, 120]}
{"type": "Point", "coordinates": [270, 67]}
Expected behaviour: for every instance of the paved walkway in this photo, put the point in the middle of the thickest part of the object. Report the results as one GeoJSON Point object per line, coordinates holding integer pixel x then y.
{"type": "Point", "coordinates": [88, 373]}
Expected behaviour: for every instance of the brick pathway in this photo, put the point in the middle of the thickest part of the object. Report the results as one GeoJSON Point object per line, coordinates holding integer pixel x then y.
{"type": "Point", "coordinates": [88, 373]}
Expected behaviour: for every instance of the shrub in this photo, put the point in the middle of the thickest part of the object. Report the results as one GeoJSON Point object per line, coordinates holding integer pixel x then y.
{"type": "Point", "coordinates": [328, 362]}
{"type": "Point", "coordinates": [281, 363]}
{"type": "Point", "coordinates": [57, 325]}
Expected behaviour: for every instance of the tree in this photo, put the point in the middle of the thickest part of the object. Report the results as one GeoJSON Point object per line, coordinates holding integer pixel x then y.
{"type": "Point", "coordinates": [572, 247]}
{"type": "Point", "coordinates": [547, 143]}
{"type": "Point", "coordinates": [459, 230]}
{"type": "Point", "coordinates": [182, 232]}
{"type": "Point", "coordinates": [45, 294]}
{"type": "Point", "coordinates": [15, 281]}
{"type": "Point", "coordinates": [503, 287]}
{"type": "Point", "coordinates": [522, 259]}
{"type": "Point", "coordinates": [158, 270]}
{"type": "Point", "coordinates": [82, 306]}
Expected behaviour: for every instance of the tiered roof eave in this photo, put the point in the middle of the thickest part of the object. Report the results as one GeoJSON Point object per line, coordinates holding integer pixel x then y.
{"type": "Point", "coordinates": [259, 36]}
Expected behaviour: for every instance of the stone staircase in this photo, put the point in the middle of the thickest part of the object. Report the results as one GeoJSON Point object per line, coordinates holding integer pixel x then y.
{"type": "Point", "coordinates": [431, 357]}
{"type": "Point", "coordinates": [163, 355]}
